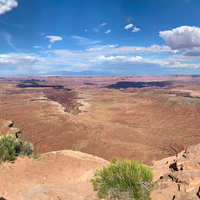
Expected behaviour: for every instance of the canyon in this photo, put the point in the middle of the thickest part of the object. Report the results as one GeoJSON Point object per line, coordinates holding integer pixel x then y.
{"type": "Point", "coordinates": [145, 117]}
{"type": "Point", "coordinates": [80, 123]}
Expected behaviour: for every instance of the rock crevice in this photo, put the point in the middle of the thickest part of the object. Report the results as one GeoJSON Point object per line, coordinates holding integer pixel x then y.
{"type": "Point", "coordinates": [182, 181]}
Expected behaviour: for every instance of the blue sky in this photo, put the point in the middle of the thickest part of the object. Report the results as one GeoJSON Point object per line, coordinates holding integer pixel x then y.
{"type": "Point", "coordinates": [118, 37]}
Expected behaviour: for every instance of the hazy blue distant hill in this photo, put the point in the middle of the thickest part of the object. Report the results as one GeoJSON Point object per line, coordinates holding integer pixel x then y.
{"type": "Point", "coordinates": [81, 73]}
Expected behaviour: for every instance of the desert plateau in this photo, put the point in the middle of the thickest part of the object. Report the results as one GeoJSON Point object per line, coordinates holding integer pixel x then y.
{"type": "Point", "coordinates": [99, 100]}
{"type": "Point", "coordinates": [145, 117]}
{"type": "Point", "coordinates": [82, 122]}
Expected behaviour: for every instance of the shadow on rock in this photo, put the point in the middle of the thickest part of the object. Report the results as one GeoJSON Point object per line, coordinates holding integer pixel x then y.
{"type": "Point", "coordinates": [125, 85]}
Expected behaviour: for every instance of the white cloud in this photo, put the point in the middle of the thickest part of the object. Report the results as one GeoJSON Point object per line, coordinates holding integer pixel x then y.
{"type": "Point", "coordinates": [89, 49]}
{"type": "Point", "coordinates": [103, 24]}
{"type": "Point", "coordinates": [108, 58]}
{"type": "Point", "coordinates": [8, 40]}
{"type": "Point", "coordinates": [184, 65]}
{"type": "Point", "coordinates": [85, 30]}
{"type": "Point", "coordinates": [53, 38]}
{"type": "Point", "coordinates": [15, 25]}
{"type": "Point", "coordinates": [85, 41]}
{"type": "Point", "coordinates": [128, 26]}
{"type": "Point", "coordinates": [49, 46]}
{"type": "Point", "coordinates": [138, 49]}
{"type": "Point", "coordinates": [135, 29]}
{"type": "Point", "coordinates": [120, 58]}
{"type": "Point", "coordinates": [19, 63]}
{"type": "Point", "coordinates": [182, 38]}
{"type": "Point", "coordinates": [106, 50]}
{"type": "Point", "coordinates": [7, 5]}
{"type": "Point", "coordinates": [37, 47]}
{"type": "Point", "coordinates": [108, 31]}
{"type": "Point", "coordinates": [95, 29]}
{"type": "Point", "coordinates": [100, 48]}
{"type": "Point", "coordinates": [136, 64]}
{"type": "Point", "coordinates": [129, 19]}
{"type": "Point", "coordinates": [195, 51]}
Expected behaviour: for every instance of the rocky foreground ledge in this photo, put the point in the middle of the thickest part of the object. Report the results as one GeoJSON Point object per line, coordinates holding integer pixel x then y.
{"type": "Point", "coordinates": [178, 177]}
{"type": "Point", "coordinates": [56, 175]}
{"type": "Point", "coordinates": [66, 175]}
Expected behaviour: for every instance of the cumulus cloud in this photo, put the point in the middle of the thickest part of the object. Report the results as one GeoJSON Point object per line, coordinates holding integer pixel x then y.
{"type": "Point", "coordinates": [108, 31]}
{"type": "Point", "coordinates": [19, 64]}
{"type": "Point", "coordinates": [130, 64]}
{"type": "Point", "coordinates": [194, 52]}
{"type": "Point", "coordinates": [53, 38]}
{"type": "Point", "coordinates": [7, 5]}
{"type": "Point", "coordinates": [182, 38]}
{"type": "Point", "coordinates": [184, 65]}
{"type": "Point", "coordinates": [138, 49]}
{"type": "Point", "coordinates": [128, 26]}
{"type": "Point", "coordinates": [86, 30]}
{"type": "Point", "coordinates": [103, 24]}
{"type": "Point", "coordinates": [85, 41]}
{"type": "Point", "coordinates": [135, 29]}
{"type": "Point", "coordinates": [116, 60]}
{"type": "Point", "coordinates": [106, 50]}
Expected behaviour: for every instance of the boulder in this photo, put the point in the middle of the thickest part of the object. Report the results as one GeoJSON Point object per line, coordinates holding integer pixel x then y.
{"type": "Point", "coordinates": [181, 177]}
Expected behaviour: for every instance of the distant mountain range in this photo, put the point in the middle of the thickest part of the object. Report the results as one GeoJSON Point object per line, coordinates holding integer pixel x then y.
{"type": "Point", "coordinates": [81, 73]}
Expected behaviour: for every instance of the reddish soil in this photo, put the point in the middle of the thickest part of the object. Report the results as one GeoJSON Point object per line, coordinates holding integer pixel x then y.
{"type": "Point", "coordinates": [82, 113]}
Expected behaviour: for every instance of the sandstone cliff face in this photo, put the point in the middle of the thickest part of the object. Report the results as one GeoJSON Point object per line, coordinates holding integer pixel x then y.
{"type": "Point", "coordinates": [178, 178]}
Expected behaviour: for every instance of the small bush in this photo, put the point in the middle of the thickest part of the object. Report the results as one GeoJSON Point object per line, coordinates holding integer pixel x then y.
{"type": "Point", "coordinates": [124, 180]}
{"type": "Point", "coordinates": [11, 147]}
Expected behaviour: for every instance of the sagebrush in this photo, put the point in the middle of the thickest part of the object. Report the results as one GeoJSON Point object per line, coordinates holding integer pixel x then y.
{"type": "Point", "coordinates": [11, 147]}
{"type": "Point", "coordinates": [124, 180]}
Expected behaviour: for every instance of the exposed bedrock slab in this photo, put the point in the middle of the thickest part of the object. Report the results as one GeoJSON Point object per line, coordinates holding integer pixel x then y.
{"type": "Point", "coordinates": [182, 181]}
{"type": "Point", "coordinates": [55, 175]}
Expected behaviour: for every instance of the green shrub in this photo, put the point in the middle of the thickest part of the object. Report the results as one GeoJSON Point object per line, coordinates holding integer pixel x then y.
{"type": "Point", "coordinates": [124, 180]}
{"type": "Point", "coordinates": [11, 147]}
